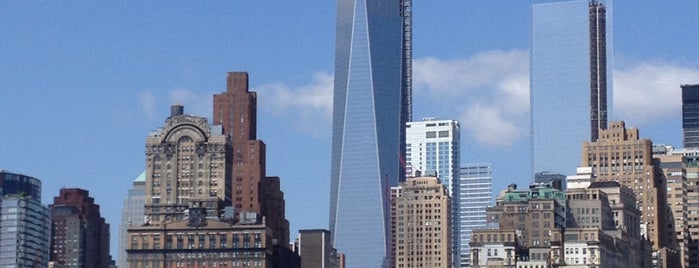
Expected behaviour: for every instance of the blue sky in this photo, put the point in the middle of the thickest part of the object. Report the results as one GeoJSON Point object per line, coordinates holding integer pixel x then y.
{"type": "Point", "coordinates": [83, 84]}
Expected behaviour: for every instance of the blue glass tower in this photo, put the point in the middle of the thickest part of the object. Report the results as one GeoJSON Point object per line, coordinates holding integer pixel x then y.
{"type": "Point", "coordinates": [569, 81]}
{"type": "Point", "coordinates": [366, 128]}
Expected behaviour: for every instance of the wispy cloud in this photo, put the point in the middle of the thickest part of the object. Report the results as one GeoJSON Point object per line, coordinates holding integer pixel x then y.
{"type": "Point", "coordinates": [309, 105]}
{"type": "Point", "coordinates": [489, 92]}
{"type": "Point", "coordinates": [645, 92]}
{"type": "Point", "coordinates": [146, 101]}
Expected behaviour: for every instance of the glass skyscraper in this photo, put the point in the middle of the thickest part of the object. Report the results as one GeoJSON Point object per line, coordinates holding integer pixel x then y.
{"type": "Point", "coordinates": [433, 146]}
{"type": "Point", "coordinates": [570, 48]}
{"type": "Point", "coordinates": [690, 115]}
{"type": "Point", "coordinates": [25, 223]}
{"type": "Point", "coordinates": [366, 128]}
{"type": "Point", "coordinates": [472, 194]}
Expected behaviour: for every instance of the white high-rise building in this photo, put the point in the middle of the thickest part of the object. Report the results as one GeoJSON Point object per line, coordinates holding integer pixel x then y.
{"type": "Point", "coordinates": [472, 194]}
{"type": "Point", "coordinates": [433, 146]}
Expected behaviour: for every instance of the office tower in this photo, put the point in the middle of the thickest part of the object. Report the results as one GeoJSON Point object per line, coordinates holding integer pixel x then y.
{"type": "Point", "coordinates": [315, 249]}
{"type": "Point", "coordinates": [620, 155]}
{"type": "Point", "coordinates": [472, 195]}
{"type": "Point", "coordinates": [568, 81]}
{"type": "Point", "coordinates": [132, 214]}
{"type": "Point", "coordinates": [432, 147]}
{"type": "Point", "coordinates": [690, 115]}
{"type": "Point", "coordinates": [236, 110]}
{"type": "Point", "coordinates": [80, 235]}
{"type": "Point", "coordinates": [423, 223]}
{"type": "Point", "coordinates": [25, 223]}
{"type": "Point", "coordinates": [672, 169]}
{"type": "Point", "coordinates": [367, 105]}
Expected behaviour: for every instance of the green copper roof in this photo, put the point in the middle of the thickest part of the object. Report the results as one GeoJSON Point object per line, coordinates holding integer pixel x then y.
{"type": "Point", "coordinates": [141, 178]}
{"type": "Point", "coordinates": [535, 193]}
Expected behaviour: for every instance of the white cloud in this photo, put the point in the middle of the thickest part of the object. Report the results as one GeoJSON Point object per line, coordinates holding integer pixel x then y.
{"type": "Point", "coordinates": [308, 105]}
{"type": "Point", "coordinates": [489, 91]}
{"type": "Point", "coordinates": [650, 91]}
{"type": "Point", "coordinates": [493, 128]}
{"type": "Point", "coordinates": [146, 101]}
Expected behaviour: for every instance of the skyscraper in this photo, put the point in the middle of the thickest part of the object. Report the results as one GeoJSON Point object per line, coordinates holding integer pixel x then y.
{"type": "Point", "coordinates": [367, 105]}
{"type": "Point", "coordinates": [236, 110]}
{"type": "Point", "coordinates": [79, 234]}
{"type": "Point", "coordinates": [131, 214]}
{"type": "Point", "coordinates": [568, 81]}
{"type": "Point", "coordinates": [690, 115]}
{"type": "Point", "coordinates": [25, 223]}
{"type": "Point", "coordinates": [432, 146]}
{"type": "Point", "coordinates": [472, 195]}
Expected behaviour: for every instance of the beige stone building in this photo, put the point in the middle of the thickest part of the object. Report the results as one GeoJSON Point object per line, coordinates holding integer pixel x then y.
{"type": "Point", "coordinates": [537, 214]}
{"type": "Point", "coordinates": [191, 220]}
{"type": "Point", "coordinates": [672, 169]}
{"type": "Point", "coordinates": [186, 166]}
{"type": "Point", "coordinates": [493, 248]}
{"type": "Point", "coordinates": [620, 155]}
{"type": "Point", "coordinates": [220, 244]}
{"type": "Point", "coordinates": [691, 156]}
{"type": "Point", "coordinates": [422, 223]}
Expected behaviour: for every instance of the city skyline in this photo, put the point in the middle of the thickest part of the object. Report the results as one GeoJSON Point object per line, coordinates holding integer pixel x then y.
{"type": "Point", "coordinates": [109, 89]}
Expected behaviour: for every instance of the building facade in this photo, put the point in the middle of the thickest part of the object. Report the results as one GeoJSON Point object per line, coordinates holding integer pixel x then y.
{"type": "Point", "coordinates": [472, 195]}
{"type": "Point", "coordinates": [367, 105]}
{"type": "Point", "coordinates": [25, 223]}
{"type": "Point", "coordinates": [691, 156]}
{"type": "Point", "coordinates": [79, 234]}
{"type": "Point", "coordinates": [569, 95]}
{"type": "Point", "coordinates": [132, 214]}
{"type": "Point", "coordinates": [187, 165]}
{"type": "Point", "coordinates": [202, 242]}
{"type": "Point", "coordinates": [539, 227]}
{"type": "Point", "coordinates": [315, 249]}
{"type": "Point", "coordinates": [536, 215]}
{"type": "Point", "coordinates": [620, 155]}
{"type": "Point", "coordinates": [690, 115]}
{"type": "Point", "coordinates": [673, 170]}
{"type": "Point", "coordinates": [423, 224]}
